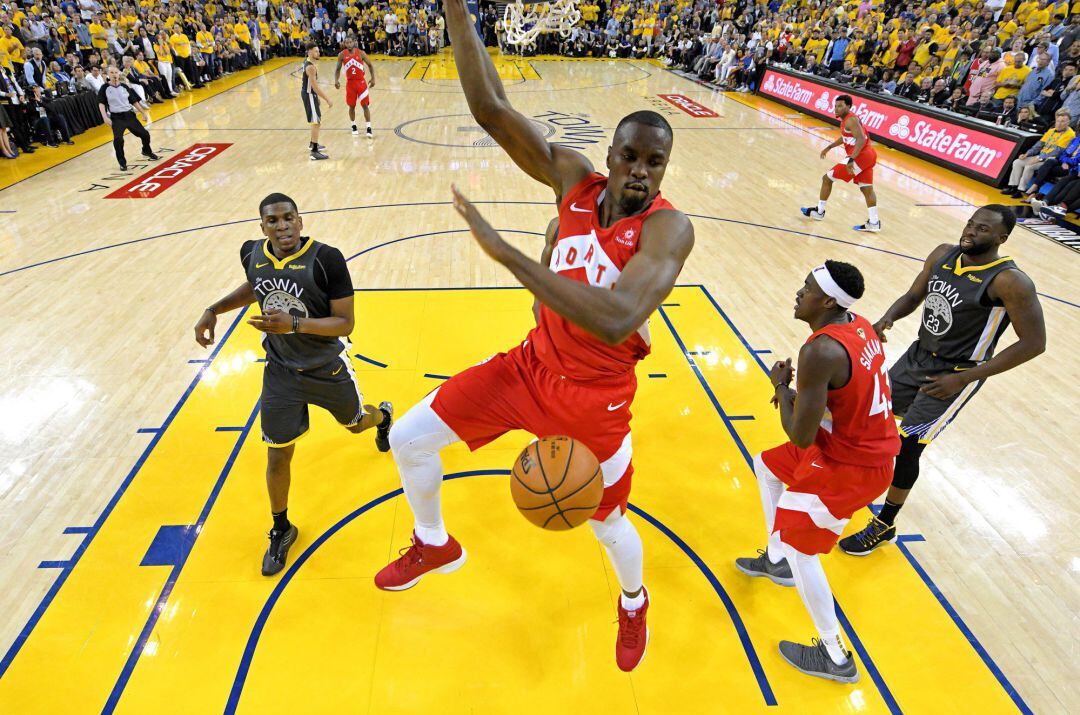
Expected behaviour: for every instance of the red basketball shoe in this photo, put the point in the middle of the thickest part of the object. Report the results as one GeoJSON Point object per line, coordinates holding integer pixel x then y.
{"type": "Point", "coordinates": [418, 560]}
{"type": "Point", "coordinates": [633, 636]}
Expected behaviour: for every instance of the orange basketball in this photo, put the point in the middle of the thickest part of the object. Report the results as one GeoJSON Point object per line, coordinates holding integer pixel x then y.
{"type": "Point", "coordinates": [557, 483]}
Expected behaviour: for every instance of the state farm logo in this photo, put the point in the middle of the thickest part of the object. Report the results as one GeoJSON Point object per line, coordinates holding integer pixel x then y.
{"type": "Point", "coordinates": [770, 84]}
{"type": "Point", "coordinates": [157, 180]}
{"type": "Point", "coordinates": [794, 91]}
{"type": "Point", "coordinates": [688, 105]}
{"type": "Point", "coordinates": [824, 103]}
{"type": "Point", "coordinates": [900, 130]}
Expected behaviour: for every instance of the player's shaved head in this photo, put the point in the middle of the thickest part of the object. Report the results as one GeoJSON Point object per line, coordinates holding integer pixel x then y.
{"type": "Point", "coordinates": [647, 118]}
{"type": "Point", "coordinates": [276, 198]}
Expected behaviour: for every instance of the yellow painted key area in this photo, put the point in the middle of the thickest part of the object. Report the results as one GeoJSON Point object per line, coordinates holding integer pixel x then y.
{"type": "Point", "coordinates": [527, 626]}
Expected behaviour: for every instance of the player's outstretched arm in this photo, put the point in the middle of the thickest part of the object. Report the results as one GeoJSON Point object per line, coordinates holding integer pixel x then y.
{"type": "Point", "coordinates": [557, 167]}
{"type": "Point", "coordinates": [204, 328]}
{"type": "Point", "coordinates": [613, 314]}
{"type": "Point", "coordinates": [337, 70]}
{"type": "Point", "coordinates": [906, 304]}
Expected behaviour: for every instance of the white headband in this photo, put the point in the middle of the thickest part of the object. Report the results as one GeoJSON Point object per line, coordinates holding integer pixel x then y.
{"type": "Point", "coordinates": [831, 289]}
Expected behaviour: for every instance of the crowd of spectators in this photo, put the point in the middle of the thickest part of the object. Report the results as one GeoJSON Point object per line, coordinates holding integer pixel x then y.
{"type": "Point", "coordinates": [1013, 62]}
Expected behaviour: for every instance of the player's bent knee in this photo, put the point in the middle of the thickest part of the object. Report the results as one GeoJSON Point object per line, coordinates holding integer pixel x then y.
{"type": "Point", "coordinates": [612, 529]}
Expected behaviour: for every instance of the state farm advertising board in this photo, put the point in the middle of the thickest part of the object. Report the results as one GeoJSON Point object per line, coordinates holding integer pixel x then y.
{"type": "Point", "coordinates": [960, 147]}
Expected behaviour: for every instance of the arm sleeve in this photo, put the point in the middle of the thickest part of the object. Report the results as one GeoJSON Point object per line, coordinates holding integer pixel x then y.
{"type": "Point", "coordinates": [332, 273]}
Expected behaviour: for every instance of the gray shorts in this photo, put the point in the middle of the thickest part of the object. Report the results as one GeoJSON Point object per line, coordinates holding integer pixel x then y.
{"type": "Point", "coordinates": [287, 393]}
{"type": "Point", "coordinates": [924, 416]}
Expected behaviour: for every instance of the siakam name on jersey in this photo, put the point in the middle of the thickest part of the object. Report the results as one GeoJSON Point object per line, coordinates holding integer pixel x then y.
{"type": "Point", "coordinates": [160, 178]}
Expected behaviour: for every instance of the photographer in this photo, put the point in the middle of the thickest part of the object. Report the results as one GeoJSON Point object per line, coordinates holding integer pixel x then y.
{"type": "Point", "coordinates": [49, 122]}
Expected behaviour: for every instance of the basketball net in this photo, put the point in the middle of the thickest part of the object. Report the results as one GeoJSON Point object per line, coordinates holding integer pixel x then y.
{"type": "Point", "coordinates": [523, 25]}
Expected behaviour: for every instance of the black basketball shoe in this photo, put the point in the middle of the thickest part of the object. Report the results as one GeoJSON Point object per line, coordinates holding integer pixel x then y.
{"type": "Point", "coordinates": [382, 432]}
{"type": "Point", "coordinates": [280, 541]}
{"type": "Point", "coordinates": [814, 660]}
{"type": "Point", "coordinates": [877, 533]}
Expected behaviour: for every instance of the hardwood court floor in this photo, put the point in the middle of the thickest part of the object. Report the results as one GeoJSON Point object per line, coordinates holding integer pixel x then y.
{"type": "Point", "coordinates": [121, 452]}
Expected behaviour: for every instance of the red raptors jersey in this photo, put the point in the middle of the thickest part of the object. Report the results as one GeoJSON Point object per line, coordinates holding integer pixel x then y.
{"type": "Point", "coordinates": [353, 63]}
{"type": "Point", "coordinates": [849, 139]}
{"type": "Point", "coordinates": [587, 252]}
{"type": "Point", "coordinates": [858, 426]}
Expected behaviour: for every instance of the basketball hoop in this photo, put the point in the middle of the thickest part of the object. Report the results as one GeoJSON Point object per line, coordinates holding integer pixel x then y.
{"type": "Point", "coordinates": [523, 25]}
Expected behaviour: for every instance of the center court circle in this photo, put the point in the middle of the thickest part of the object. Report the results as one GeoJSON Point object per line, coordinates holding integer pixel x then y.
{"type": "Point", "coordinates": [454, 130]}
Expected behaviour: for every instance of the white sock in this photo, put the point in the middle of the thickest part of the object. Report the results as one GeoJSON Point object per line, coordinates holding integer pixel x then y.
{"type": "Point", "coordinates": [771, 488]}
{"type": "Point", "coordinates": [821, 207]}
{"type": "Point", "coordinates": [872, 210]}
{"type": "Point", "coordinates": [623, 546]}
{"type": "Point", "coordinates": [632, 604]}
{"type": "Point", "coordinates": [415, 440]}
{"type": "Point", "coordinates": [368, 124]}
{"type": "Point", "coordinates": [816, 595]}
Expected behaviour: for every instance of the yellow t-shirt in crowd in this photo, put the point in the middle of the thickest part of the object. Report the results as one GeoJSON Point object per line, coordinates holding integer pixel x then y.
{"type": "Point", "coordinates": [206, 39]}
{"type": "Point", "coordinates": [1054, 139]}
{"type": "Point", "coordinates": [1036, 20]}
{"type": "Point", "coordinates": [181, 45]}
{"type": "Point", "coordinates": [242, 33]}
{"type": "Point", "coordinates": [97, 36]}
{"type": "Point", "coordinates": [163, 51]}
{"type": "Point", "coordinates": [817, 47]}
{"type": "Point", "coordinates": [1007, 73]}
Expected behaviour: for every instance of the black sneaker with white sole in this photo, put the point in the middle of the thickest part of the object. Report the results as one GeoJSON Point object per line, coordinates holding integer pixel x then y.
{"type": "Point", "coordinates": [382, 432]}
{"type": "Point", "coordinates": [760, 565]}
{"type": "Point", "coordinates": [814, 660]}
{"type": "Point", "coordinates": [877, 533]}
{"type": "Point", "coordinates": [280, 541]}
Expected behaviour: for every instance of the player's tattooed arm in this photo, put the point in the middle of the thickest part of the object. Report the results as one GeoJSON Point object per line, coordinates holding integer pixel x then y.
{"type": "Point", "coordinates": [1016, 291]}
{"type": "Point", "coordinates": [204, 328]}
{"type": "Point", "coordinates": [906, 304]}
{"type": "Point", "coordinates": [614, 314]}
{"type": "Point", "coordinates": [821, 362]}
{"type": "Point", "coordinates": [558, 167]}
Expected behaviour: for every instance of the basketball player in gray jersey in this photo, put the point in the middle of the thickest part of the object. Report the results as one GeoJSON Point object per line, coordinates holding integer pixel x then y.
{"type": "Point", "coordinates": [969, 293]}
{"type": "Point", "coordinates": [306, 296]}
{"type": "Point", "coordinates": [310, 93]}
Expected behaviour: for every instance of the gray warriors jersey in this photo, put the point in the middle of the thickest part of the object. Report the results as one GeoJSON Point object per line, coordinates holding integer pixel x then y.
{"type": "Point", "coordinates": [960, 322]}
{"type": "Point", "coordinates": [289, 285]}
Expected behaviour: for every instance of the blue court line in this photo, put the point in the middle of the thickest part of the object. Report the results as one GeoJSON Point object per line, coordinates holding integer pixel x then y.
{"type": "Point", "coordinates": [230, 429]}
{"type": "Point", "coordinates": [708, 390]}
{"type": "Point", "coordinates": [260, 622]}
{"type": "Point", "coordinates": [262, 359]}
{"type": "Point", "coordinates": [376, 363]}
{"type": "Point", "coordinates": [657, 374]}
{"type": "Point", "coordinates": [174, 574]}
{"type": "Point", "coordinates": [54, 565]}
{"type": "Point", "coordinates": [148, 430]}
{"type": "Point", "coordinates": [901, 543]}
{"type": "Point", "coordinates": [957, 205]}
{"type": "Point", "coordinates": [436, 377]}
{"type": "Point", "coordinates": [670, 305]}
{"type": "Point", "coordinates": [78, 529]}
{"type": "Point", "coordinates": [733, 612]}
{"type": "Point", "coordinates": [17, 645]}
{"type": "Point", "coordinates": [735, 418]}
{"type": "Point", "coordinates": [864, 655]}
{"type": "Point", "coordinates": [201, 361]}
{"type": "Point", "coordinates": [731, 324]}
{"type": "Point", "coordinates": [700, 352]}
{"type": "Point", "coordinates": [868, 662]}
{"type": "Point", "coordinates": [762, 352]}
{"type": "Point", "coordinates": [447, 203]}
{"type": "Point", "coordinates": [171, 545]}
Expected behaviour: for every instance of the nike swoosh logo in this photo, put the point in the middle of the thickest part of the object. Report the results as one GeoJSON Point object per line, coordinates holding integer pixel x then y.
{"type": "Point", "coordinates": [612, 408]}
{"type": "Point", "coordinates": [335, 372]}
{"type": "Point", "coordinates": [815, 464]}
{"type": "Point", "coordinates": [260, 265]}
{"type": "Point", "coordinates": [574, 208]}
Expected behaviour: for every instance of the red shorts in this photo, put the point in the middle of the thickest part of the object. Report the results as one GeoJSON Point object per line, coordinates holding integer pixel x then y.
{"type": "Point", "coordinates": [865, 162]}
{"type": "Point", "coordinates": [821, 494]}
{"type": "Point", "coordinates": [513, 390]}
{"type": "Point", "coordinates": [356, 90]}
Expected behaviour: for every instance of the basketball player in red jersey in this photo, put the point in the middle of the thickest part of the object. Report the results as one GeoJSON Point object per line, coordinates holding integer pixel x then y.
{"type": "Point", "coordinates": [356, 84]}
{"type": "Point", "coordinates": [859, 166]}
{"type": "Point", "coordinates": [620, 247]}
{"type": "Point", "coordinates": [840, 457]}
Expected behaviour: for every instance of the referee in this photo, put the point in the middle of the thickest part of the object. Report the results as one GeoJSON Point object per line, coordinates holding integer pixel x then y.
{"type": "Point", "coordinates": [305, 294]}
{"type": "Point", "coordinates": [118, 104]}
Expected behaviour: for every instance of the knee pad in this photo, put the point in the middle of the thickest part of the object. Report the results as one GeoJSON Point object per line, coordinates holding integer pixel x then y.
{"type": "Point", "coordinates": [906, 470]}
{"type": "Point", "coordinates": [613, 529]}
{"type": "Point", "coordinates": [419, 434]}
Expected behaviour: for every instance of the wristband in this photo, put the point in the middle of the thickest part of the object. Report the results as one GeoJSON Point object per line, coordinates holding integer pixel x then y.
{"type": "Point", "coordinates": [296, 323]}
{"type": "Point", "coordinates": [211, 310]}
